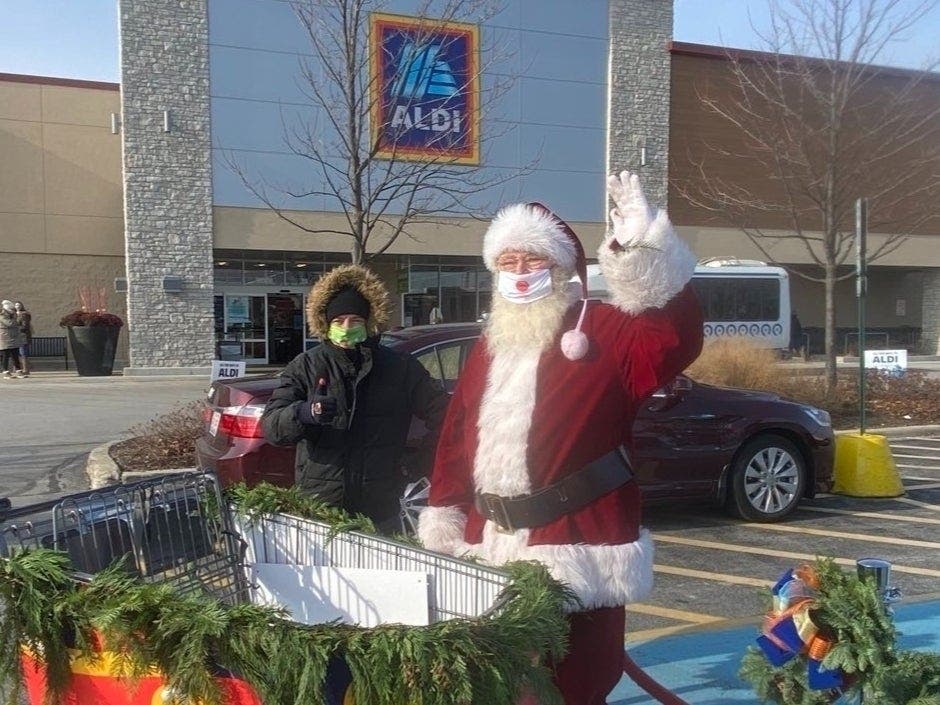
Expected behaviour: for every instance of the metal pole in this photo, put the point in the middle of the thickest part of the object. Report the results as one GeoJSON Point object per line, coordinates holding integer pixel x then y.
{"type": "Point", "coordinates": [861, 289]}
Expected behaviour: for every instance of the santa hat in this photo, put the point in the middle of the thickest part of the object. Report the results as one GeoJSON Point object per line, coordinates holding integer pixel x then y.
{"type": "Point", "coordinates": [533, 228]}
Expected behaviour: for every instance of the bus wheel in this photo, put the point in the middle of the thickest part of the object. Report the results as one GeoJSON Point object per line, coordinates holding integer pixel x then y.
{"type": "Point", "coordinates": [768, 479]}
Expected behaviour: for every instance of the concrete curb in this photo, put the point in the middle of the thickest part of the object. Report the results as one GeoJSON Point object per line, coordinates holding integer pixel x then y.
{"type": "Point", "coordinates": [895, 431]}
{"type": "Point", "coordinates": [102, 470]}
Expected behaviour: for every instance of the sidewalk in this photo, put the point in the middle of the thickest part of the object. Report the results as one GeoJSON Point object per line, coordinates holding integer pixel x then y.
{"type": "Point", "coordinates": [701, 666]}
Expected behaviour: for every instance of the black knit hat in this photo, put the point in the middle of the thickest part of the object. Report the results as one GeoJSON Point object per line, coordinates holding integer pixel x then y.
{"type": "Point", "coordinates": [348, 301]}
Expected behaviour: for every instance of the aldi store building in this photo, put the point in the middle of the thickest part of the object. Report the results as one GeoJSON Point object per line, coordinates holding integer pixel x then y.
{"type": "Point", "coordinates": [146, 182]}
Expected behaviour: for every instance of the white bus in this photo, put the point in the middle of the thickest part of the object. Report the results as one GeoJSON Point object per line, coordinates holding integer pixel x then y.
{"type": "Point", "coordinates": [744, 298]}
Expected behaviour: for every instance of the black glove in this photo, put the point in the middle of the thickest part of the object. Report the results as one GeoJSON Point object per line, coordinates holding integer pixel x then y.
{"type": "Point", "coordinates": [323, 406]}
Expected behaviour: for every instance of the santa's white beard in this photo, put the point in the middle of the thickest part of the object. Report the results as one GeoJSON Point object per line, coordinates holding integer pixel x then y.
{"type": "Point", "coordinates": [530, 325]}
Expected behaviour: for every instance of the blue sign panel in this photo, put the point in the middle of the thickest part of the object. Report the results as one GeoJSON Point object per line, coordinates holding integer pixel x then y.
{"type": "Point", "coordinates": [426, 98]}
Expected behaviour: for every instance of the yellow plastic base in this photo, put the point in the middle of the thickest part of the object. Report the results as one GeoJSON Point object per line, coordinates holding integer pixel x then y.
{"type": "Point", "coordinates": [865, 467]}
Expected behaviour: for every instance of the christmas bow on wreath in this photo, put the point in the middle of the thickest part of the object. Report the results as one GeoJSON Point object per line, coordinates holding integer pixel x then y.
{"type": "Point", "coordinates": [790, 628]}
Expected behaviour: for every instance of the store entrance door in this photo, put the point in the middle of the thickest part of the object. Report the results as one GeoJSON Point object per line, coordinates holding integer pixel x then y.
{"type": "Point", "coordinates": [285, 327]}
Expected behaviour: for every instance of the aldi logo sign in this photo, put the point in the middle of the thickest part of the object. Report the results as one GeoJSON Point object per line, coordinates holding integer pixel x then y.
{"type": "Point", "coordinates": [426, 94]}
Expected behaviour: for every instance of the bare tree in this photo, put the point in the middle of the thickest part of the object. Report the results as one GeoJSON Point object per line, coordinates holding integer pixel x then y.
{"type": "Point", "coordinates": [357, 160]}
{"type": "Point", "coordinates": [819, 124]}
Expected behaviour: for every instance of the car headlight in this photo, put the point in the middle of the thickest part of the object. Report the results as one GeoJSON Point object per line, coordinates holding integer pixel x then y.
{"type": "Point", "coordinates": [820, 416]}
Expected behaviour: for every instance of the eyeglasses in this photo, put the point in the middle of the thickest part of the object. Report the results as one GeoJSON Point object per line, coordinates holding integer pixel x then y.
{"type": "Point", "coordinates": [529, 262]}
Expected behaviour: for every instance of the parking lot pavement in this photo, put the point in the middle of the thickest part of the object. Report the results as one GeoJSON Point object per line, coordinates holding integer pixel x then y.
{"type": "Point", "coordinates": [51, 421]}
{"type": "Point", "coordinates": [710, 568]}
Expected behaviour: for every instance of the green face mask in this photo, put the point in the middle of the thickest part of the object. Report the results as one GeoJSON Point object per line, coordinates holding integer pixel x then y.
{"type": "Point", "coordinates": [347, 336]}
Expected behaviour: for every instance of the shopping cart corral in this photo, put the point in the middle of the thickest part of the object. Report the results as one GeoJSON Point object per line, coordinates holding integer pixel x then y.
{"type": "Point", "coordinates": [178, 532]}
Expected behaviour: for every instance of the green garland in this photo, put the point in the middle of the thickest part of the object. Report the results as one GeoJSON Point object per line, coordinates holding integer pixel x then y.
{"type": "Point", "coordinates": [851, 610]}
{"type": "Point", "coordinates": [457, 662]}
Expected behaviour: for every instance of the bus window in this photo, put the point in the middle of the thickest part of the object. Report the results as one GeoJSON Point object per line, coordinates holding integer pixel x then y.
{"type": "Point", "coordinates": [738, 299]}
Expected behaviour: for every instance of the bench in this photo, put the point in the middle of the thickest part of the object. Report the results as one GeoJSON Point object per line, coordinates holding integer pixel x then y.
{"type": "Point", "coordinates": [49, 346]}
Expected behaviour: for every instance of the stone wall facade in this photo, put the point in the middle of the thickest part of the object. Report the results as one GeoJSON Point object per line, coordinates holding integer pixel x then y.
{"type": "Point", "coordinates": [640, 32]}
{"type": "Point", "coordinates": [167, 183]}
{"type": "Point", "coordinates": [930, 334]}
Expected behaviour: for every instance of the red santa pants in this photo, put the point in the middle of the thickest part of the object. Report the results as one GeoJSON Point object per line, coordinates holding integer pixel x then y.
{"type": "Point", "coordinates": [594, 662]}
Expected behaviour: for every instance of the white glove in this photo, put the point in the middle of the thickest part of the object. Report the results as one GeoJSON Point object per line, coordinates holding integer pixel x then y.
{"type": "Point", "coordinates": [632, 216]}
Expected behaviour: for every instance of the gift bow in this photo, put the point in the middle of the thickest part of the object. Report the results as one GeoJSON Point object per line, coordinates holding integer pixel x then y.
{"type": "Point", "coordinates": [789, 630]}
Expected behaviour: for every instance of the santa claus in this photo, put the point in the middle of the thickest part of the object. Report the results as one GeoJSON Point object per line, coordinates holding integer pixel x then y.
{"type": "Point", "coordinates": [533, 456]}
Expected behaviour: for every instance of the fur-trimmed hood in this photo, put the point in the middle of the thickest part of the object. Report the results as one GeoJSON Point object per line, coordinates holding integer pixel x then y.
{"type": "Point", "coordinates": [366, 282]}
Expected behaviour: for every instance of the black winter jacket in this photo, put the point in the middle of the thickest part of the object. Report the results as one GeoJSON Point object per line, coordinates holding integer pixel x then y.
{"type": "Point", "coordinates": [354, 462]}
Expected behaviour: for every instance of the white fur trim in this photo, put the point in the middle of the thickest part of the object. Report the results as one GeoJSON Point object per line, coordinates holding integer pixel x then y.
{"type": "Point", "coordinates": [505, 420]}
{"type": "Point", "coordinates": [650, 271]}
{"type": "Point", "coordinates": [528, 229]}
{"type": "Point", "coordinates": [441, 529]}
{"type": "Point", "coordinates": [601, 576]}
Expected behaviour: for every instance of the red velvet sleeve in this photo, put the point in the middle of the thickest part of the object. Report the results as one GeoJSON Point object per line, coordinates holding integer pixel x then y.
{"type": "Point", "coordinates": [658, 344]}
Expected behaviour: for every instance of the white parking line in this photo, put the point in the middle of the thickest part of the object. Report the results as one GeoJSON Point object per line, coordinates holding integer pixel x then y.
{"type": "Point", "coordinates": [794, 555]}
{"type": "Point", "coordinates": [920, 438]}
{"type": "Point", "coordinates": [915, 503]}
{"type": "Point", "coordinates": [867, 538]}
{"type": "Point", "coordinates": [907, 447]}
{"type": "Point", "coordinates": [929, 486]}
{"type": "Point", "coordinates": [913, 457]}
{"type": "Point", "coordinates": [919, 479]}
{"type": "Point", "coordinates": [872, 515]}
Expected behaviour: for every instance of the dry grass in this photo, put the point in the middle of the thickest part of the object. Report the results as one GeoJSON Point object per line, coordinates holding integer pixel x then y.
{"type": "Point", "coordinates": [736, 362]}
{"type": "Point", "coordinates": [167, 441]}
{"type": "Point", "coordinates": [910, 399]}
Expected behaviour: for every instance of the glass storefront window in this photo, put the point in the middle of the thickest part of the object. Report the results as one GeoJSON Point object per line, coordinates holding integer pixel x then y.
{"type": "Point", "coordinates": [264, 272]}
{"type": "Point", "coordinates": [227, 271]}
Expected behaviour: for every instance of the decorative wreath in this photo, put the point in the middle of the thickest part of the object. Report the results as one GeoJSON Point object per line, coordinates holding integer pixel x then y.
{"type": "Point", "coordinates": [828, 635]}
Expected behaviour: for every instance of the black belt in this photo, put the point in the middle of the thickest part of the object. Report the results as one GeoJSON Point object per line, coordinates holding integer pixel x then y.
{"type": "Point", "coordinates": [568, 495]}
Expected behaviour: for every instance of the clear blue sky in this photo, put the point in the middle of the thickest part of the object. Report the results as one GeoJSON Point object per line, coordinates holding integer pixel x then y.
{"type": "Point", "coordinates": [78, 38]}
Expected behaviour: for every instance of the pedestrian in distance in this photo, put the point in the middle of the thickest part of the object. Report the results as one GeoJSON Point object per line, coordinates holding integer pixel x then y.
{"type": "Point", "coordinates": [797, 341]}
{"type": "Point", "coordinates": [348, 403]}
{"type": "Point", "coordinates": [11, 338]}
{"type": "Point", "coordinates": [25, 319]}
{"type": "Point", "coordinates": [532, 462]}
{"type": "Point", "coordinates": [436, 316]}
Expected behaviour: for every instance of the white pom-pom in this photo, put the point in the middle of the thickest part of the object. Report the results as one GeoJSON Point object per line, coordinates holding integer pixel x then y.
{"type": "Point", "coordinates": [574, 344]}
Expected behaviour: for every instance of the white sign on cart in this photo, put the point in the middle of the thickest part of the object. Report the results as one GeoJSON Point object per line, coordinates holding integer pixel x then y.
{"type": "Point", "coordinates": [367, 597]}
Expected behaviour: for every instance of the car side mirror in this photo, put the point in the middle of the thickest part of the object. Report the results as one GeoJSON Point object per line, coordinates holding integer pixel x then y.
{"type": "Point", "coordinates": [676, 388]}
{"type": "Point", "coordinates": [680, 386]}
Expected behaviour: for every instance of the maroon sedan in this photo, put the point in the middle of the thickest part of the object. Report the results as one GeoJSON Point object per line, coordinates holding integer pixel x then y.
{"type": "Point", "coordinates": [754, 452]}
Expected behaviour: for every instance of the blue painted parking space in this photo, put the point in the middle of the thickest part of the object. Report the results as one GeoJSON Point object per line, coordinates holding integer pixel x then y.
{"type": "Point", "coordinates": [701, 667]}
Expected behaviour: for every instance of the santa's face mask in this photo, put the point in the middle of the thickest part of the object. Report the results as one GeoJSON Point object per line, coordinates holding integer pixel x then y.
{"type": "Point", "coordinates": [525, 288]}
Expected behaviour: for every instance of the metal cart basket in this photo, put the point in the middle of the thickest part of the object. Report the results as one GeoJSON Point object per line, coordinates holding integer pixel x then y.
{"type": "Point", "coordinates": [178, 530]}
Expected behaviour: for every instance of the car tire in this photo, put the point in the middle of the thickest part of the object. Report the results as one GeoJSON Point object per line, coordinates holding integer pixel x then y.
{"type": "Point", "coordinates": [768, 479]}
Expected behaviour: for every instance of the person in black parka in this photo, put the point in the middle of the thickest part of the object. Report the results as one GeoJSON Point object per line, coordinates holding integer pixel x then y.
{"type": "Point", "coordinates": [348, 403]}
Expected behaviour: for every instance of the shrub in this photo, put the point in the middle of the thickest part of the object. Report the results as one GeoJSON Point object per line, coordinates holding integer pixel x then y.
{"type": "Point", "coordinates": [911, 398]}
{"type": "Point", "coordinates": [737, 362]}
{"type": "Point", "coordinates": [165, 442]}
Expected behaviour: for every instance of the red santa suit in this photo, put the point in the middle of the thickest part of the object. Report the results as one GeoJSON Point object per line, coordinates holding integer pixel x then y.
{"type": "Point", "coordinates": [524, 417]}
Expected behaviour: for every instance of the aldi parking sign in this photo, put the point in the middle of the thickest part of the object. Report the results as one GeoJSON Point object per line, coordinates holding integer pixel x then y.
{"type": "Point", "coordinates": [426, 99]}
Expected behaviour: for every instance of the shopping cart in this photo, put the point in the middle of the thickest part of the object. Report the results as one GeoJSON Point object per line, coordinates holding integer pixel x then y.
{"type": "Point", "coordinates": [179, 531]}
{"type": "Point", "coordinates": [167, 529]}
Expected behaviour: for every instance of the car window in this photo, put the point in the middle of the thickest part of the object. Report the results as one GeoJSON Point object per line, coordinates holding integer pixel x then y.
{"type": "Point", "coordinates": [431, 363]}
{"type": "Point", "coordinates": [443, 362]}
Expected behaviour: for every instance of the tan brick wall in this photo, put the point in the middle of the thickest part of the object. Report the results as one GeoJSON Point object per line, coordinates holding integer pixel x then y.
{"type": "Point", "coordinates": [48, 285]}
{"type": "Point", "coordinates": [60, 185]}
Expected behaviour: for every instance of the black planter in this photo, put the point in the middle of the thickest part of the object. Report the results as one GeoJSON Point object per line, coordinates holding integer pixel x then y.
{"type": "Point", "coordinates": [93, 349]}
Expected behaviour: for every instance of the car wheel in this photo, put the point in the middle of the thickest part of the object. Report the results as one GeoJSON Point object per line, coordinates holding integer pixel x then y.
{"type": "Point", "coordinates": [768, 479]}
